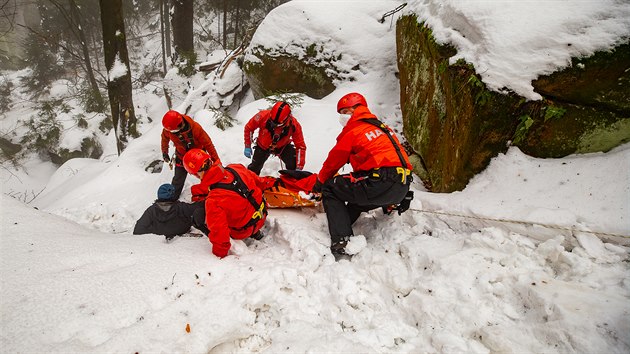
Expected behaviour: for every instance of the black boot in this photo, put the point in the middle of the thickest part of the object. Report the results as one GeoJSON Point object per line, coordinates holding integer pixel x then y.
{"type": "Point", "coordinates": [258, 235]}
{"type": "Point", "coordinates": [338, 248]}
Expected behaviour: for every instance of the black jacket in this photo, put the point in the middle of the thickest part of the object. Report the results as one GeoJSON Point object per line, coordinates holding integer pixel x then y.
{"type": "Point", "coordinates": [167, 218]}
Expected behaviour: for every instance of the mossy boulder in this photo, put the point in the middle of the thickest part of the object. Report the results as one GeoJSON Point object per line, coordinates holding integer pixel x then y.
{"type": "Point", "coordinates": [275, 71]}
{"type": "Point", "coordinates": [456, 125]}
{"type": "Point", "coordinates": [601, 81]}
{"type": "Point", "coordinates": [593, 95]}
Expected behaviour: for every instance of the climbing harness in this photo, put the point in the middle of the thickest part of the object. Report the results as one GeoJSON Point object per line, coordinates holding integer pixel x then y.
{"type": "Point", "coordinates": [238, 186]}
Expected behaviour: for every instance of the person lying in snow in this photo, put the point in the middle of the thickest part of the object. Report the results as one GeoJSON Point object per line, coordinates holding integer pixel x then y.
{"type": "Point", "coordinates": [277, 128]}
{"type": "Point", "coordinates": [167, 216]}
{"type": "Point", "coordinates": [381, 171]}
{"type": "Point", "coordinates": [234, 204]}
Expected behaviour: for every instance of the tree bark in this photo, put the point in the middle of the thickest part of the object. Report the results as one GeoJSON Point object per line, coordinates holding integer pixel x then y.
{"type": "Point", "coordinates": [225, 11]}
{"type": "Point", "coordinates": [163, 34]}
{"type": "Point", "coordinates": [182, 24]}
{"type": "Point", "coordinates": [167, 27]}
{"type": "Point", "coordinates": [236, 23]}
{"type": "Point", "coordinates": [118, 84]}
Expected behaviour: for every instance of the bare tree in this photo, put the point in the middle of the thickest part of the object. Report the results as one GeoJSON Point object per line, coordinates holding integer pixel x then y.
{"type": "Point", "coordinates": [74, 18]}
{"type": "Point", "coordinates": [8, 10]}
{"type": "Point", "coordinates": [119, 73]}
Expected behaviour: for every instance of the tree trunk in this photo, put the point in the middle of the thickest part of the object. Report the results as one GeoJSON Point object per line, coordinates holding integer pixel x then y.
{"type": "Point", "coordinates": [163, 34]}
{"type": "Point", "coordinates": [167, 27]}
{"type": "Point", "coordinates": [238, 8]}
{"type": "Point", "coordinates": [76, 17]}
{"type": "Point", "coordinates": [118, 72]}
{"type": "Point", "coordinates": [225, 10]}
{"type": "Point", "coordinates": [183, 27]}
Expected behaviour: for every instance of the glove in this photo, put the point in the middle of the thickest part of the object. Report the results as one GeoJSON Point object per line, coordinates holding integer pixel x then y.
{"type": "Point", "coordinates": [317, 187]}
{"type": "Point", "coordinates": [166, 158]}
{"type": "Point", "coordinates": [406, 203]}
{"type": "Point", "coordinates": [247, 152]}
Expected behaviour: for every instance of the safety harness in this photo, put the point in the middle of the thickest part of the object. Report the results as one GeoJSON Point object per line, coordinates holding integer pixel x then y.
{"type": "Point", "coordinates": [271, 126]}
{"type": "Point", "coordinates": [186, 139]}
{"type": "Point", "coordinates": [402, 171]}
{"type": "Point", "coordinates": [237, 185]}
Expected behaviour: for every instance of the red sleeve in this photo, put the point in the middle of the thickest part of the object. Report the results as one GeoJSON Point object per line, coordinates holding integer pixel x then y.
{"type": "Point", "coordinates": [337, 157]}
{"type": "Point", "coordinates": [300, 145]}
{"type": "Point", "coordinates": [199, 192]}
{"type": "Point", "coordinates": [265, 182]}
{"type": "Point", "coordinates": [165, 141]}
{"type": "Point", "coordinates": [219, 231]}
{"type": "Point", "coordinates": [250, 127]}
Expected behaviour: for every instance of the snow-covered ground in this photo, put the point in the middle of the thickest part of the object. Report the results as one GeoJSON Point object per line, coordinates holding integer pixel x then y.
{"type": "Point", "coordinates": [74, 279]}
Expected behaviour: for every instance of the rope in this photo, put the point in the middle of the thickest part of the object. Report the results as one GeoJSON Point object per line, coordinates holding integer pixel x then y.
{"type": "Point", "coordinates": [521, 222]}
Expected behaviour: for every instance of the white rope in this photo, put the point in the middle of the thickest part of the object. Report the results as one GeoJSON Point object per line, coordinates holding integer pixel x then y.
{"type": "Point", "coordinates": [521, 222]}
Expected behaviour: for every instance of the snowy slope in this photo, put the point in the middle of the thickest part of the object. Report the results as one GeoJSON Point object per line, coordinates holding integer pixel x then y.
{"type": "Point", "coordinates": [418, 285]}
{"type": "Point", "coordinates": [73, 278]}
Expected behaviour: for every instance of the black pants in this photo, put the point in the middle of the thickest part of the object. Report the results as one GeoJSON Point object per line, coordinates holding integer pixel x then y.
{"type": "Point", "coordinates": [178, 180]}
{"type": "Point", "coordinates": [287, 155]}
{"type": "Point", "coordinates": [345, 198]}
{"type": "Point", "coordinates": [199, 218]}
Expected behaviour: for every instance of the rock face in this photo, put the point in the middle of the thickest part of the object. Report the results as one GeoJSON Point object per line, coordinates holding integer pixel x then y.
{"type": "Point", "coordinates": [280, 72]}
{"type": "Point", "coordinates": [456, 125]}
{"type": "Point", "coordinates": [595, 92]}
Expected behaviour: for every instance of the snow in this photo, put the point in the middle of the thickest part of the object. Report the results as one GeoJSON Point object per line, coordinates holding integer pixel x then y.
{"type": "Point", "coordinates": [117, 70]}
{"type": "Point", "coordinates": [74, 279]}
{"type": "Point", "coordinates": [511, 43]}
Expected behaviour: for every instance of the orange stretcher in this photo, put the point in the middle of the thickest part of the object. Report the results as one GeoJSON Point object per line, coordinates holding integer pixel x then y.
{"type": "Point", "coordinates": [291, 190]}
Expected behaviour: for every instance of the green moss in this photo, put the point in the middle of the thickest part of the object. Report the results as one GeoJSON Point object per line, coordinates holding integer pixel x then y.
{"type": "Point", "coordinates": [288, 74]}
{"type": "Point", "coordinates": [605, 137]}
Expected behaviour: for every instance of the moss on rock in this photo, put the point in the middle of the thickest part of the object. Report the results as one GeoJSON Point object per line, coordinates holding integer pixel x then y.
{"type": "Point", "coordinates": [456, 125]}
{"type": "Point", "coordinates": [450, 119]}
{"type": "Point", "coordinates": [311, 75]}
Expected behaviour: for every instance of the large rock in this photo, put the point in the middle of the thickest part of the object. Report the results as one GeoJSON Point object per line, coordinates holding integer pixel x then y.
{"type": "Point", "coordinates": [274, 72]}
{"type": "Point", "coordinates": [592, 98]}
{"type": "Point", "coordinates": [456, 125]}
{"type": "Point", "coordinates": [450, 120]}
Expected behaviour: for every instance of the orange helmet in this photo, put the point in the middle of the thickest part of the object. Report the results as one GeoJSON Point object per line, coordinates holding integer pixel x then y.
{"type": "Point", "coordinates": [196, 160]}
{"type": "Point", "coordinates": [172, 121]}
{"type": "Point", "coordinates": [280, 113]}
{"type": "Point", "coordinates": [350, 100]}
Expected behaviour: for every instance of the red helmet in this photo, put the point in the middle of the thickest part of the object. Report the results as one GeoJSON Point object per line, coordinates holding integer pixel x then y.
{"type": "Point", "coordinates": [280, 112]}
{"type": "Point", "coordinates": [195, 159]}
{"type": "Point", "coordinates": [172, 120]}
{"type": "Point", "coordinates": [350, 100]}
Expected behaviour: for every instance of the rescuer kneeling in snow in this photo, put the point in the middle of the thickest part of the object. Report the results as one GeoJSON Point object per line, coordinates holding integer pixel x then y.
{"type": "Point", "coordinates": [234, 205]}
{"type": "Point", "coordinates": [381, 171]}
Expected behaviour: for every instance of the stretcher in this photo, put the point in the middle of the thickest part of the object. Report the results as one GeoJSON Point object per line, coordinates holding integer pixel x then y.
{"type": "Point", "coordinates": [293, 189]}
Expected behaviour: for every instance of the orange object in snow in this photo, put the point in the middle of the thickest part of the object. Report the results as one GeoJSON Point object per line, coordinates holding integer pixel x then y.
{"type": "Point", "coordinates": [187, 327]}
{"type": "Point", "coordinates": [280, 197]}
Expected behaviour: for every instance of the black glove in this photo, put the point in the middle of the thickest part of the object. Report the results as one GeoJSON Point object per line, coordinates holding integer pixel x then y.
{"type": "Point", "coordinates": [166, 158]}
{"type": "Point", "coordinates": [317, 187]}
{"type": "Point", "coordinates": [405, 203]}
